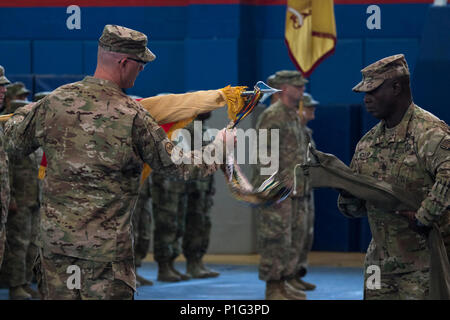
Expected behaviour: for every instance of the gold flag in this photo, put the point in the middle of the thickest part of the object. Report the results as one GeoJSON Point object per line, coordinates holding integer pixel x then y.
{"type": "Point", "coordinates": [310, 33]}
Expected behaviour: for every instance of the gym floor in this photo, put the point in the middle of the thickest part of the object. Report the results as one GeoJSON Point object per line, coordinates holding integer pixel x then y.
{"type": "Point", "coordinates": [338, 276]}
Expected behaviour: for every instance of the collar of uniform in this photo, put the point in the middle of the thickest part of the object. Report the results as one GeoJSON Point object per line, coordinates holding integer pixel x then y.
{"type": "Point", "coordinates": [400, 130]}
{"type": "Point", "coordinates": [102, 82]}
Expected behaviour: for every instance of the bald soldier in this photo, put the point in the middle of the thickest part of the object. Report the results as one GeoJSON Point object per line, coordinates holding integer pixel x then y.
{"type": "Point", "coordinates": [409, 147]}
{"type": "Point", "coordinates": [96, 140]}
{"type": "Point", "coordinates": [4, 176]}
{"type": "Point", "coordinates": [281, 228]}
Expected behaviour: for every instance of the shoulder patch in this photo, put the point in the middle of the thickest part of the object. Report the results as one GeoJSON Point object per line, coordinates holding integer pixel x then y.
{"type": "Point", "coordinates": [445, 144]}
{"type": "Point", "coordinates": [169, 147]}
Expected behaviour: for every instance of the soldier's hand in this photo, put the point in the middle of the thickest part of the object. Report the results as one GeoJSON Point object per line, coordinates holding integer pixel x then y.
{"type": "Point", "coordinates": [228, 136]}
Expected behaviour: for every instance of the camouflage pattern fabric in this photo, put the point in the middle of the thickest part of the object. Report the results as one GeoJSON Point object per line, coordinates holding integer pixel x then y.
{"type": "Point", "coordinates": [142, 223]}
{"type": "Point", "coordinates": [98, 280]}
{"type": "Point", "coordinates": [181, 210]}
{"type": "Point", "coordinates": [404, 286]}
{"type": "Point", "coordinates": [95, 139]}
{"type": "Point", "coordinates": [4, 194]}
{"type": "Point", "coordinates": [282, 228]}
{"type": "Point", "coordinates": [309, 220]}
{"type": "Point", "coordinates": [414, 154]}
{"type": "Point", "coordinates": [386, 68]}
{"type": "Point", "coordinates": [169, 199]}
{"type": "Point", "coordinates": [121, 39]}
{"type": "Point", "coordinates": [200, 194]}
{"type": "Point", "coordinates": [23, 223]}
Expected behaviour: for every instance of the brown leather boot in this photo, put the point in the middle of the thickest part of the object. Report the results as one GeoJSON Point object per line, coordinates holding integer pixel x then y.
{"type": "Point", "coordinates": [306, 285]}
{"type": "Point", "coordinates": [298, 293]}
{"type": "Point", "coordinates": [181, 275]}
{"type": "Point", "coordinates": [278, 290]}
{"type": "Point", "coordinates": [142, 281]}
{"type": "Point", "coordinates": [34, 294]}
{"type": "Point", "coordinates": [196, 269]}
{"type": "Point", "coordinates": [18, 293]}
{"type": "Point", "coordinates": [166, 274]}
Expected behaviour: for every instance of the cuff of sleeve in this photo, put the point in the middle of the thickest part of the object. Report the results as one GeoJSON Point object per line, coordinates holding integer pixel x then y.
{"type": "Point", "coordinates": [421, 217]}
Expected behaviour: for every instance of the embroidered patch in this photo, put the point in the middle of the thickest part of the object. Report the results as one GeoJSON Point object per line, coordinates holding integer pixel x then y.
{"type": "Point", "coordinates": [364, 155]}
{"type": "Point", "coordinates": [445, 144]}
{"type": "Point", "coordinates": [169, 147]}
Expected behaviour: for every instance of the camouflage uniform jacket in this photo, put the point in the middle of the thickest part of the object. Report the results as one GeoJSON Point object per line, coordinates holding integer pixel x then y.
{"type": "Point", "coordinates": [292, 144]}
{"type": "Point", "coordinates": [414, 154]}
{"type": "Point", "coordinates": [95, 139]}
{"type": "Point", "coordinates": [4, 181]}
{"type": "Point", "coordinates": [24, 180]}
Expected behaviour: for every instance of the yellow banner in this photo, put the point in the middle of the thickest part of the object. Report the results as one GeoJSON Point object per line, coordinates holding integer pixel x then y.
{"type": "Point", "coordinates": [310, 32]}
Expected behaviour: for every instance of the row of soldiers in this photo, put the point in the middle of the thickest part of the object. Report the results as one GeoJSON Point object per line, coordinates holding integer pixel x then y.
{"type": "Point", "coordinates": [181, 213]}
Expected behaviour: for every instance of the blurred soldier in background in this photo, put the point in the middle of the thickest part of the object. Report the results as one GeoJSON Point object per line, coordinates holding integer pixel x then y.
{"type": "Point", "coordinates": [22, 93]}
{"type": "Point", "coordinates": [200, 193]}
{"type": "Point", "coordinates": [282, 228]}
{"type": "Point", "coordinates": [308, 114]}
{"type": "Point", "coordinates": [142, 224]}
{"type": "Point", "coordinates": [4, 175]}
{"type": "Point", "coordinates": [10, 95]}
{"type": "Point", "coordinates": [169, 199]}
{"type": "Point", "coordinates": [23, 221]}
{"type": "Point", "coordinates": [182, 221]}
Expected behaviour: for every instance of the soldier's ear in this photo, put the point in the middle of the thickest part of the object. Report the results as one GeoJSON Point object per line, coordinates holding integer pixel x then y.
{"type": "Point", "coordinates": [396, 87]}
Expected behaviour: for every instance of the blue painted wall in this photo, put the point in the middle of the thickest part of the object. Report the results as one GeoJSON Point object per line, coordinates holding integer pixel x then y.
{"type": "Point", "coordinates": [210, 46]}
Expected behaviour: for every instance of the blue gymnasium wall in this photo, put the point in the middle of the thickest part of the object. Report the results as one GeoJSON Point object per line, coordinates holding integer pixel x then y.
{"type": "Point", "coordinates": [210, 46]}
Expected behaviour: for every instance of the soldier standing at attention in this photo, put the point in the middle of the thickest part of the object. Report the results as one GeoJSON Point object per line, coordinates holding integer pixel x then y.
{"type": "Point", "coordinates": [4, 175]}
{"type": "Point", "coordinates": [200, 191]}
{"type": "Point", "coordinates": [23, 222]}
{"type": "Point", "coordinates": [281, 228]}
{"type": "Point", "coordinates": [182, 222]}
{"type": "Point", "coordinates": [142, 227]}
{"type": "Point", "coordinates": [96, 140]}
{"type": "Point", "coordinates": [409, 147]}
{"type": "Point", "coordinates": [308, 114]}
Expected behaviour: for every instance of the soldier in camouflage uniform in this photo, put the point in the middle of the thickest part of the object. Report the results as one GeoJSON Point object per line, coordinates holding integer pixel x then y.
{"type": "Point", "coordinates": [23, 222]}
{"type": "Point", "coordinates": [10, 95]}
{"type": "Point", "coordinates": [4, 175]}
{"type": "Point", "coordinates": [142, 224]}
{"type": "Point", "coordinates": [169, 199]}
{"type": "Point", "coordinates": [308, 114]}
{"type": "Point", "coordinates": [282, 228]}
{"type": "Point", "coordinates": [23, 92]}
{"type": "Point", "coordinates": [182, 222]}
{"type": "Point", "coordinates": [409, 147]}
{"type": "Point", "coordinates": [96, 140]}
{"type": "Point", "coordinates": [200, 192]}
